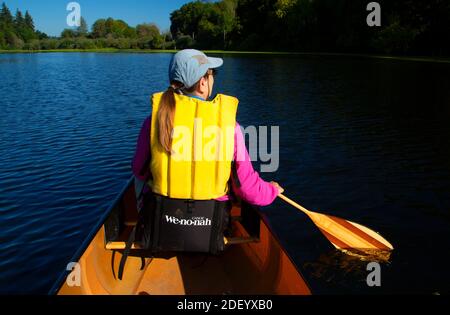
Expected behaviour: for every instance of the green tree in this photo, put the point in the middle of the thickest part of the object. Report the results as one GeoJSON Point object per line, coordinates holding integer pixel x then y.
{"type": "Point", "coordinates": [33, 45]}
{"type": "Point", "coordinates": [19, 24]}
{"type": "Point", "coordinates": [41, 35]}
{"type": "Point", "coordinates": [129, 32]}
{"type": "Point", "coordinates": [149, 36]}
{"type": "Point", "coordinates": [49, 43]}
{"type": "Point", "coordinates": [99, 29]}
{"type": "Point", "coordinates": [395, 38]}
{"type": "Point", "coordinates": [118, 34]}
{"type": "Point", "coordinates": [22, 27]}
{"type": "Point", "coordinates": [82, 30]}
{"type": "Point", "coordinates": [112, 28]}
{"type": "Point", "coordinates": [207, 23]}
{"type": "Point", "coordinates": [84, 43]}
{"type": "Point", "coordinates": [252, 16]}
{"type": "Point", "coordinates": [15, 42]}
{"type": "Point", "coordinates": [2, 40]}
{"type": "Point", "coordinates": [19, 20]}
{"type": "Point", "coordinates": [208, 34]}
{"type": "Point", "coordinates": [66, 43]}
{"type": "Point", "coordinates": [228, 19]}
{"type": "Point", "coordinates": [184, 41]}
{"type": "Point", "coordinates": [147, 30]}
{"type": "Point", "coordinates": [167, 36]}
{"type": "Point", "coordinates": [68, 33]}
{"type": "Point", "coordinates": [6, 26]}
{"type": "Point", "coordinates": [118, 29]}
{"type": "Point", "coordinates": [8, 32]}
{"type": "Point", "coordinates": [29, 21]}
{"type": "Point", "coordinates": [6, 18]}
{"type": "Point", "coordinates": [186, 19]}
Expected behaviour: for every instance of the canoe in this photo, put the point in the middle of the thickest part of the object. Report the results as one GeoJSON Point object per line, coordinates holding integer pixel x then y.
{"type": "Point", "coordinates": [254, 261]}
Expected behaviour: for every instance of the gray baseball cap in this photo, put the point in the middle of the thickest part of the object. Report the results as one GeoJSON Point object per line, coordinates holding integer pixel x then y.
{"type": "Point", "coordinates": [189, 65]}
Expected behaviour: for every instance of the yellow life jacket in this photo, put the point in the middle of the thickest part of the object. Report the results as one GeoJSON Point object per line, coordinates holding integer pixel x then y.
{"type": "Point", "coordinates": [202, 148]}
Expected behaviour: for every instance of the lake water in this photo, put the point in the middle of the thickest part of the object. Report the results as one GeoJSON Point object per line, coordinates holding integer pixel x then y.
{"type": "Point", "coordinates": [364, 139]}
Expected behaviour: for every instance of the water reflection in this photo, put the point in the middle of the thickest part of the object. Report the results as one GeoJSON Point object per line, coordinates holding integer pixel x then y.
{"type": "Point", "coordinates": [338, 266]}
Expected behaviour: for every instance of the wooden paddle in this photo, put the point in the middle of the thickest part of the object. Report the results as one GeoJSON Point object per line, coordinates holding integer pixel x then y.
{"type": "Point", "coordinates": [344, 234]}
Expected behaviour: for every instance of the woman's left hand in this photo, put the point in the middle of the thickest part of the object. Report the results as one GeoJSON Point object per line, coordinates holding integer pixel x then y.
{"type": "Point", "coordinates": [277, 186]}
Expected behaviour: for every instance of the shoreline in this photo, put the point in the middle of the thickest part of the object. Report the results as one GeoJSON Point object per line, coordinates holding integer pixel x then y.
{"type": "Point", "coordinates": [233, 52]}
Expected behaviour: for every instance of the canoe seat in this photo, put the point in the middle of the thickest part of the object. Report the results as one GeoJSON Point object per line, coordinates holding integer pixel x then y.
{"type": "Point", "coordinates": [227, 241]}
{"type": "Point", "coordinates": [240, 240]}
{"type": "Point", "coordinates": [122, 221]}
{"type": "Point", "coordinates": [120, 245]}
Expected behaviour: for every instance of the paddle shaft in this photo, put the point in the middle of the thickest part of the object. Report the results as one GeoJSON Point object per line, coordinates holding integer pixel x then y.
{"type": "Point", "coordinates": [293, 203]}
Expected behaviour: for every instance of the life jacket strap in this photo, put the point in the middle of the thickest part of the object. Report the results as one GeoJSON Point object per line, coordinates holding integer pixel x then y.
{"type": "Point", "coordinates": [125, 255]}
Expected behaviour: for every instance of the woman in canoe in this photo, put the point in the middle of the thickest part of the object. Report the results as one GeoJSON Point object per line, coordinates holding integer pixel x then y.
{"type": "Point", "coordinates": [174, 148]}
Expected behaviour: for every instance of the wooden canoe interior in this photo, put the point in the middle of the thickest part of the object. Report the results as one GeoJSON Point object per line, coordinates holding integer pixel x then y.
{"type": "Point", "coordinates": [257, 264]}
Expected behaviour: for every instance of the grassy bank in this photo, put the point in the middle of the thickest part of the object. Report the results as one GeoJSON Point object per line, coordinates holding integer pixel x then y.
{"type": "Point", "coordinates": [148, 51]}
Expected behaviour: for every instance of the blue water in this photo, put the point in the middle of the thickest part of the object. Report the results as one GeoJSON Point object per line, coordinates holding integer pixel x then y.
{"type": "Point", "coordinates": [363, 139]}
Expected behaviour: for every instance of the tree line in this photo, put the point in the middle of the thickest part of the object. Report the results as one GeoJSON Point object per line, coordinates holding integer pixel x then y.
{"type": "Point", "coordinates": [17, 31]}
{"type": "Point", "coordinates": [408, 27]}
{"type": "Point", "coordinates": [111, 33]}
{"type": "Point", "coordinates": [420, 27]}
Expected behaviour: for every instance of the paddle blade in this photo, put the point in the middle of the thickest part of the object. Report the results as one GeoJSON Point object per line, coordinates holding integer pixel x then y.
{"type": "Point", "coordinates": [345, 234]}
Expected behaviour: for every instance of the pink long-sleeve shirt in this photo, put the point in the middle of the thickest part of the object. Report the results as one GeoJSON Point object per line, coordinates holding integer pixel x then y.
{"type": "Point", "coordinates": [253, 189]}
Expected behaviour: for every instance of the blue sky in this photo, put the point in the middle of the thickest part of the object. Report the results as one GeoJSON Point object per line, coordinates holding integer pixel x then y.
{"type": "Point", "coordinates": [50, 15]}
